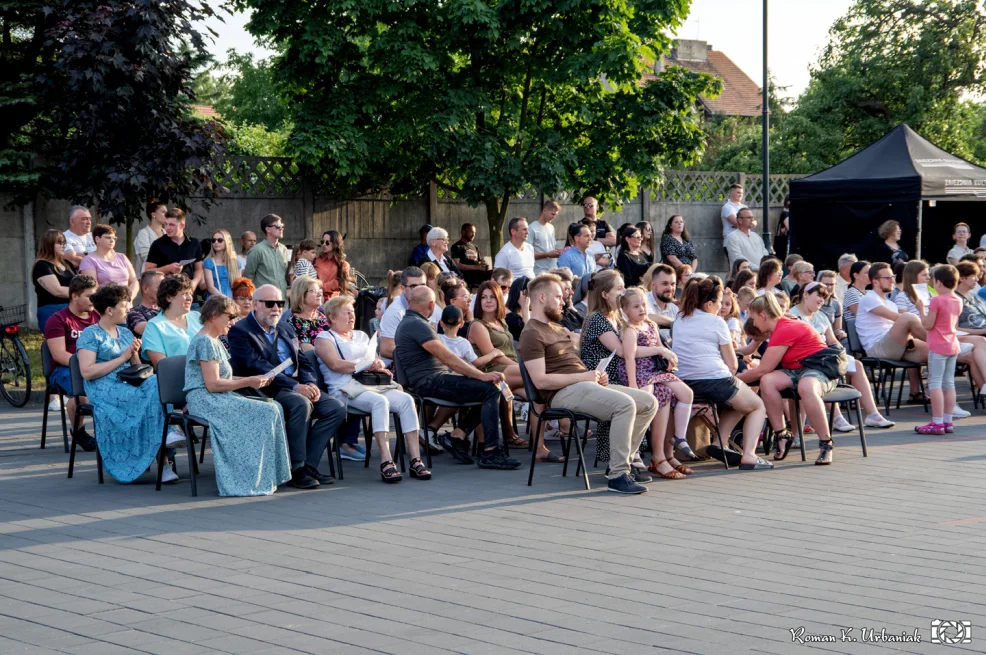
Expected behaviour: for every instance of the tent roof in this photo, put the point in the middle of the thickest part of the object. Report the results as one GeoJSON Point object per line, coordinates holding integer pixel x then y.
{"type": "Point", "coordinates": [901, 166]}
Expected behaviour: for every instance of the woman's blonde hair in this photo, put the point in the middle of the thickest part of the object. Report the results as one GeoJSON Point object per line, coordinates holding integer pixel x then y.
{"type": "Point", "coordinates": [766, 304]}
{"type": "Point", "coordinates": [912, 269]}
{"type": "Point", "coordinates": [217, 305]}
{"type": "Point", "coordinates": [601, 283]}
{"type": "Point", "coordinates": [232, 266]}
{"type": "Point", "coordinates": [335, 304]}
{"type": "Point", "coordinates": [801, 267]}
{"type": "Point", "coordinates": [299, 288]}
{"type": "Point", "coordinates": [431, 270]}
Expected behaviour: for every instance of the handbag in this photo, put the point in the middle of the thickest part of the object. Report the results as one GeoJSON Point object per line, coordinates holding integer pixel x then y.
{"type": "Point", "coordinates": [831, 361]}
{"type": "Point", "coordinates": [365, 378]}
{"type": "Point", "coordinates": [136, 374]}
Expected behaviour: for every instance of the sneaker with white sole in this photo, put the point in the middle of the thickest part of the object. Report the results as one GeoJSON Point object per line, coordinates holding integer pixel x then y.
{"type": "Point", "coordinates": [842, 425]}
{"type": "Point", "coordinates": [176, 438]}
{"type": "Point", "coordinates": [55, 405]}
{"type": "Point", "coordinates": [167, 475]}
{"type": "Point", "coordinates": [878, 422]}
{"type": "Point", "coordinates": [958, 412]}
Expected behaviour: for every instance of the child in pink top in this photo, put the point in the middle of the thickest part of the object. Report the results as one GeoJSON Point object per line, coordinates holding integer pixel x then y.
{"type": "Point", "coordinates": [941, 322]}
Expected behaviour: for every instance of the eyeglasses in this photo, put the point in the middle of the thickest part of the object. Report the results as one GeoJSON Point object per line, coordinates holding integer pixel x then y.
{"type": "Point", "coordinates": [315, 292]}
{"type": "Point", "coordinates": [884, 277]}
{"type": "Point", "coordinates": [271, 304]}
{"type": "Point", "coordinates": [61, 241]}
{"type": "Point", "coordinates": [232, 317]}
{"type": "Point", "coordinates": [415, 286]}
{"type": "Point", "coordinates": [635, 236]}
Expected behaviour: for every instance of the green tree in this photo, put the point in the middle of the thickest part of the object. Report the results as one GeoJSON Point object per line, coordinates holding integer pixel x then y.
{"type": "Point", "coordinates": [484, 98]}
{"type": "Point", "coordinates": [250, 95]}
{"type": "Point", "coordinates": [117, 94]}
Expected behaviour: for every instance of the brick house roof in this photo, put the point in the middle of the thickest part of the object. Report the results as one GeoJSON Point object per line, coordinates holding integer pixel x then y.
{"type": "Point", "coordinates": [205, 111]}
{"type": "Point", "coordinates": [740, 95]}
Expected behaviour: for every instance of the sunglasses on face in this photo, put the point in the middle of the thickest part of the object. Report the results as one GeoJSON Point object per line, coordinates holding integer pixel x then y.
{"type": "Point", "coordinates": [271, 304]}
{"type": "Point", "coordinates": [218, 240]}
{"type": "Point", "coordinates": [504, 289]}
{"type": "Point", "coordinates": [326, 243]}
{"type": "Point", "coordinates": [415, 286]}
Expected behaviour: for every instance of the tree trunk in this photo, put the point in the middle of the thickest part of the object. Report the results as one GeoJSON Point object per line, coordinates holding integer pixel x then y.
{"type": "Point", "coordinates": [496, 211]}
{"type": "Point", "coordinates": [130, 240]}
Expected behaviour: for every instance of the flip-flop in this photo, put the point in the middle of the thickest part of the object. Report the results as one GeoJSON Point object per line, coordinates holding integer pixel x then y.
{"type": "Point", "coordinates": [761, 465]}
{"type": "Point", "coordinates": [552, 458]}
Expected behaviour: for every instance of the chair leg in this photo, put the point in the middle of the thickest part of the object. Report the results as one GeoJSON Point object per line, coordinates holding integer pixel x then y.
{"type": "Point", "coordinates": [399, 445]}
{"type": "Point", "coordinates": [190, 450]}
{"type": "Point", "coordinates": [332, 463]}
{"type": "Point", "coordinates": [61, 401]}
{"type": "Point", "coordinates": [44, 420]}
{"type": "Point", "coordinates": [922, 391]}
{"type": "Point", "coordinates": [99, 463]}
{"type": "Point", "coordinates": [887, 393]}
{"type": "Point", "coordinates": [161, 455]}
{"type": "Point", "coordinates": [722, 447]}
{"type": "Point", "coordinates": [71, 457]}
{"type": "Point", "coordinates": [194, 463]}
{"type": "Point", "coordinates": [338, 446]}
{"type": "Point", "coordinates": [205, 437]}
{"type": "Point", "coordinates": [581, 465]}
{"type": "Point", "coordinates": [368, 439]}
{"type": "Point", "coordinates": [801, 431]}
{"type": "Point", "coordinates": [900, 390]}
{"type": "Point", "coordinates": [424, 424]}
{"type": "Point", "coordinates": [862, 433]}
{"type": "Point", "coordinates": [567, 446]}
{"type": "Point", "coordinates": [584, 440]}
{"type": "Point", "coordinates": [534, 453]}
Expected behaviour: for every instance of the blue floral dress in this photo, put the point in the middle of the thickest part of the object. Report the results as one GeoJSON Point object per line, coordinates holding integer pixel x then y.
{"type": "Point", "coordinates": [129, 420]}
{"type": "Point", "coordinates": [249, 446]}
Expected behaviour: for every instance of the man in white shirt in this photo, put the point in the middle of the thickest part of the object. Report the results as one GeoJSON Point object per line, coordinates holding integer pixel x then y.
{"type": "Point", "coordinates": [542, 238]}
{"type": "Point", "coordinates": [844, 279]}
{"type": "Point", "coordinates": [411, 277]}
{"type": "Point", "coordinates": [883, 332]}
{"type": "Point", "coordinates": [247, 241]}
{"type": "Point", "coordinates": [78, 236]}
{"type": "Point", "coordinates": [744, 243]}
{"type": "Point", "coordinates": [517, 255]}
{"type": "Point", "coordinates": [730, 210]}
{"type": "Point", "coordinates": [150, 233]}
{"type": "Point", "coordinates": [660, 299]}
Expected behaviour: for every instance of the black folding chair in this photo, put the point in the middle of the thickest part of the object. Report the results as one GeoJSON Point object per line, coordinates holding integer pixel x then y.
{"type": "Point", "coordinates": [365, 419]}
{"type": "Point", "coordinates": [554, 414]}
{"type": "Point", "coordinates": [48, 367]}
{"type": "Point", "coordinates": [81, 410]}
{"type": "Point", "coordinates": [883, 368]}
{"type": "Point", "coordinates": [701, 400]}
{"type": "Point", "coordinates": [171, 391]}
{"type": "Point", "coordinates": [842, 394]}
{"type": "Point", "coordinates": [424, 401]}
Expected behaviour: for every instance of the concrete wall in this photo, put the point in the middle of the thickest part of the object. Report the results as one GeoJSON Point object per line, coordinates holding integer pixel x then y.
{"type": "Point", "coordinates": [380, 233]}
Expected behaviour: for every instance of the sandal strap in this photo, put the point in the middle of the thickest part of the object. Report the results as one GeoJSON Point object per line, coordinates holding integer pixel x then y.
{"type": "Point", "coordinates": [384, 466]}
{"type": "Point", "coordinates": [826, 445]}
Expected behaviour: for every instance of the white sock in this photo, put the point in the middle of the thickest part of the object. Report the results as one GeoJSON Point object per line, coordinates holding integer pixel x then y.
{"type": "Point", "coordinates": [682, 414]}
{"type": "Point", "coordinates": [876, 416]}
{"type": "Point", "coordinates": [947, 418]}
{"type": "Point", "coordinates": [936, 420]}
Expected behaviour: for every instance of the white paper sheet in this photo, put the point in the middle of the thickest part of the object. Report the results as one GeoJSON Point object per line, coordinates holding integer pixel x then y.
{"type": "Point", "coordinates": [366, 361]}
{"type": "Point", "coordinates": [922, 291]}
{"type": "Point", "coordinates": [269, 375]}
{"type": "Point", "coordinates": [603, 363]}
{"type": "Point", "coordinates": [186, 262]}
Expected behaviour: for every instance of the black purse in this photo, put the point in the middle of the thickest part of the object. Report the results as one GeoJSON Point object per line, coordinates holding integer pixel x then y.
{"type": "Point", "coordinates": [831, 361]}
{"type": "Point", "coordinates": [366, 378]}
{"type": "Point", "coordinates": [136, 374]}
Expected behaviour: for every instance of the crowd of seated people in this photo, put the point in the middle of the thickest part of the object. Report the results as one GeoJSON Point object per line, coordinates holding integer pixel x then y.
{"type": "Point", "coordinates": [606, 322]}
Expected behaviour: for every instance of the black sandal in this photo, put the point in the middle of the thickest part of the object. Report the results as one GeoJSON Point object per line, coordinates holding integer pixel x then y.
{"type": "Point", "coordinates": [389, 473]}
{"type": "Point", "coordinates": [781, 452]}
{"type": "Point", "coordinates": [417, 469]}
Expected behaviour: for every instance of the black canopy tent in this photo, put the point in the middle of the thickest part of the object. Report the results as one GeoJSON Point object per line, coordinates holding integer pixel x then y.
{"type": "Point", "coordinates": [901, 177]}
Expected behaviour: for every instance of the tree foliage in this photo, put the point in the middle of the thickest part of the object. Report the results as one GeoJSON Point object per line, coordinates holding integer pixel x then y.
{"type": "Point", "coordinates": [484, 98]}
{"type": "Point", "coordinates": [251, 95]}
{"type": "Point", "coordinates": [115, 105]}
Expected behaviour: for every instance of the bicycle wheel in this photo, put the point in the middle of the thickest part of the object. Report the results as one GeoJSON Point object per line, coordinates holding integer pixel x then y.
{"type": "Point", "coordinates": [15, 372]}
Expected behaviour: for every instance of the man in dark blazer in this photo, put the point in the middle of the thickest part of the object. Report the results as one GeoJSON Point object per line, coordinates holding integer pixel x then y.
{"type": "Point", "coordinates": [260, 342]}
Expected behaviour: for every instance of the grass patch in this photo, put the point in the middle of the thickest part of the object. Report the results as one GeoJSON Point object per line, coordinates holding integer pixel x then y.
{"type": "Point", "coordinates": [32, 344]}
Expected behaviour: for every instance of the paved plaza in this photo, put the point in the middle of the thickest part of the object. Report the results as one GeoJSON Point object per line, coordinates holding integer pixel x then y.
{"type": "Point", "coordinates": [476, 562]}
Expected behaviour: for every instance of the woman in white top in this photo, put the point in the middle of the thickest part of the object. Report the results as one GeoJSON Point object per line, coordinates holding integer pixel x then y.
{"type": "Point", "coordinates": [707, 363]}
{"type": "Point", "coordinates": [149, 233]}
{"type": "Point", "coordinates": [808, 308]}
{"type": "Point", "coordinates": [338, 349]}
{"type": "Point", "coordinates": [769, 277]}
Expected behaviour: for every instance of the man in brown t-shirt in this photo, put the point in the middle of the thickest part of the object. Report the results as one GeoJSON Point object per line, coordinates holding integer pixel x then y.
{"type": "Point", "coordinates": [557, 371]}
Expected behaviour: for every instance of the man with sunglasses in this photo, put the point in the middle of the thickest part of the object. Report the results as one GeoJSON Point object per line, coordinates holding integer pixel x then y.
{"type": "Point", "coordinates": [259, 343]}
{"type": "Point", "coordinates": [267, 262]}
{"type": "Point", "coordinates": [411, 278]}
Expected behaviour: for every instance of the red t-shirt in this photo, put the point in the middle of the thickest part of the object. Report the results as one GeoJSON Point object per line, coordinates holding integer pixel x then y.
{"type": "Point", "coordinates": [64, 323]}
{"type": "Point", "coordinates": [800, 337]}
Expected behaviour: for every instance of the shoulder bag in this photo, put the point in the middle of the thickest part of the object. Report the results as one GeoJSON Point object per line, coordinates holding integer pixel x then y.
{"type": "Point", "coordinates": [136, 374]}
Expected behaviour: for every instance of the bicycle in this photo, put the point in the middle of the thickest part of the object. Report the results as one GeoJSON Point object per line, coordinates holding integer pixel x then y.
{"type": "Point", "coordinates": [15, 367]}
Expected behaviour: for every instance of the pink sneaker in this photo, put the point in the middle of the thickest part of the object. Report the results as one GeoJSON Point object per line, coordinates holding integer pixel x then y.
{"type": "Point", "coordinates": [948, 428]}
{"type": "Point", "coordinates": [930, 428]}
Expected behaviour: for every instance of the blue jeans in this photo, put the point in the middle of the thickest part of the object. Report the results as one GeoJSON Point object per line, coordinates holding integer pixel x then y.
{"type": "Point", "coordinates": [458, 388]}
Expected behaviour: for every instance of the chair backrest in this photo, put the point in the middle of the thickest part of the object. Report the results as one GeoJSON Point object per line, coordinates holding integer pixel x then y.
{"type": "Point", "coordinates": [532, 393]}
{"type": "Point", "coordinates": [399, 371]}
{"type": "Point", "coordinates": [78, 388]}
{"type": "Point", "coordinates": [314, 361]}
{"type": "Point", "coordinates": [854, 344]}
{"type": "Point", "coordinates": [171, 381]}
{"type": "Point", "coordinates": [47, 363]}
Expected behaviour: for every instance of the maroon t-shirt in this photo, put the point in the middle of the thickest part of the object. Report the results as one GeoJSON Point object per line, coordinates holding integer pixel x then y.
{"type": "Point", "coordinates": [64, 323]}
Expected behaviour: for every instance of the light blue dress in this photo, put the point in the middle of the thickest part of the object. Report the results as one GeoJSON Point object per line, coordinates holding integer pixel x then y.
{"type": "Point", "coordinates": [163, 336]}
{"type": "Point", "coordinates": [129, 420]}
{"type": "Point", "coordinates": [219, 273]}
{"type": "Point", "coordinates": [249, 446]}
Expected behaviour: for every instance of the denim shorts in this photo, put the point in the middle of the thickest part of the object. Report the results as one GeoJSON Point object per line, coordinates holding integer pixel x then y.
{"type": "Point", "coordinates": [719, 391]}
{"type": "Point", "coordinates": [797, 374]}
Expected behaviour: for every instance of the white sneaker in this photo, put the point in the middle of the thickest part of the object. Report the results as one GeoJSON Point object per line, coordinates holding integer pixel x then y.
{"type": "Point", "coordinates": [842, 425]}
{"type": "Point", "coordinates": [877, 421]}
{"type": "Point", "coordinates": [167, 475]}
{"type": "Point", "coordinates": [958, 412]}
{"type": "Point", "coordinates": [55, 405]}
{"type": "Point", "coordinates": [176, 438]}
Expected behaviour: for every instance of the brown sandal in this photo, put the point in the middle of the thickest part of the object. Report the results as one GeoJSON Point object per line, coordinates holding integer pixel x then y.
{"type": "Point", "coordinates": [673, 474]}
{"type": "Point", "coordinates": [681, 468]}
{"type": "Point", "coordinates": [516, 442]}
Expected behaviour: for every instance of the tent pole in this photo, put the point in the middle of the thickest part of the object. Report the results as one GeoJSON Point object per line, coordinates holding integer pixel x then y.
{"type": "Point", "coordinates": [920, 212]}
{"type": "Point", "coordinates": [765, 137]}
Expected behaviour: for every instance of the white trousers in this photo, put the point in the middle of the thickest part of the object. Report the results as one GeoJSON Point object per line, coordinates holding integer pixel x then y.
{"type": "Point", "coordinates": [380, 405]}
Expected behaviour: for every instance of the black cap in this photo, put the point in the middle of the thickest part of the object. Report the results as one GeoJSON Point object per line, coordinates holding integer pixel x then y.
{"type": "Point", "coordinates": [425, 229]}
{"type": "Point", "coordinates": [451, 315]}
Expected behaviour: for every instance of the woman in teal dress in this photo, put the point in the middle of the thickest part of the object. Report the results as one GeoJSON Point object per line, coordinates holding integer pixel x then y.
{"type": "Point", "coordinates": [249, 446]}
{"type": "Point", "coordinates": [129, 420]}
{"type": "Point", "coordinates": [168, 333]}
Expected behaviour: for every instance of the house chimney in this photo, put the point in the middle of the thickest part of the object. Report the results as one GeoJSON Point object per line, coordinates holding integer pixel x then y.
{"type": "Point", "coordinates": [691, 50]}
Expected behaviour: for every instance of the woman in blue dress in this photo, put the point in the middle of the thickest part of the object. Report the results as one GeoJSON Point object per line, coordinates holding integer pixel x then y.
{"type": "Point", "coordinates": [220, 268]}
{"type": "Point", "coordinates": [129, 419]}
{"type": "Point", "coordinates": [249, 446]}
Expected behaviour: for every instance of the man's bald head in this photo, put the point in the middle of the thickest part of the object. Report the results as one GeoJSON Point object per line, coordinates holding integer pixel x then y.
{"type": "Point", "coordinates": [267, 292]}
{"type": "Point", "coordinates": [419, 298]}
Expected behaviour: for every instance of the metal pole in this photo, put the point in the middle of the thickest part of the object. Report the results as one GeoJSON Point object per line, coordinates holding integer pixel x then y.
{"type": "Point", "coordinates": [766, 140]}
{"type": "Point", "coordinates": [920, 226]}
